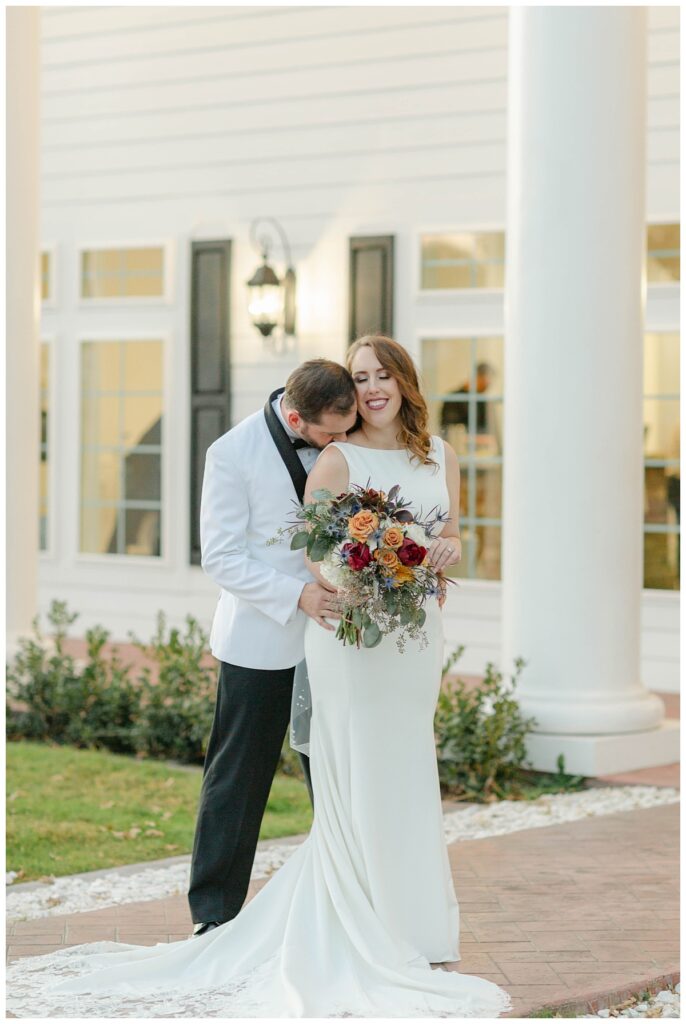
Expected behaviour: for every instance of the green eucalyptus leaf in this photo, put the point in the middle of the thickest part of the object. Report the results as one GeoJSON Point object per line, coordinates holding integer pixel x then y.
{"type": "Point", "coordinates": [421, 617]}
{"type": "Point", "coordinates": [299, 540]}
{"type": "Point", "coordinates": [322, 494]}
{"type": "Point", "coordinates": [319, 549]}
{"type": "Point", "coordinates": [371, 637]}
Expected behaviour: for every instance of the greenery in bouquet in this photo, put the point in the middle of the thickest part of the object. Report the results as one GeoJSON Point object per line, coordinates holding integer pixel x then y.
{"type": "Point", "coordinates": [374, 550]}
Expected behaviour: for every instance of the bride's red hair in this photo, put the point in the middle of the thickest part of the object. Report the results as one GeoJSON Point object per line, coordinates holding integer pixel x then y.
{"type": "Point", "coordinates": [414, 415]}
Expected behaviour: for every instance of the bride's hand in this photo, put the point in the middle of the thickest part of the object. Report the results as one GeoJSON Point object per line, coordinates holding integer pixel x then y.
{"type": "Point", "coordinates": [445, 551]}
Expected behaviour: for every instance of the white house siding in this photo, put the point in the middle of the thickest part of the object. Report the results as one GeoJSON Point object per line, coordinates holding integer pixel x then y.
{"type": "Point", "coordinates": [175, 124]}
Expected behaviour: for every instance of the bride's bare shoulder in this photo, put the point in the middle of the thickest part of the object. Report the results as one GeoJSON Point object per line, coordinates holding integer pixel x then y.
{"type": "Point", "coordinates": [331, 456]}
{"type": "Point", "coordinates": [330, 471]}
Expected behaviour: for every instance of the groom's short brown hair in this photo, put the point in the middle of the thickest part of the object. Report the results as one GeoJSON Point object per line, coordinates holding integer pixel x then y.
{"type": "Point", "coordinates": [319, 386]}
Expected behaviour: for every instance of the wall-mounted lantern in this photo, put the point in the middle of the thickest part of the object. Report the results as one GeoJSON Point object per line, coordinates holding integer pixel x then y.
{"type": "Point", "coordinates": [271, 302]}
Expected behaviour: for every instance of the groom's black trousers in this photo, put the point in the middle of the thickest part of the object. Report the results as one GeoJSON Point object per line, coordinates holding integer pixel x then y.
{"type": "Point", "coordinates": [250, 721]}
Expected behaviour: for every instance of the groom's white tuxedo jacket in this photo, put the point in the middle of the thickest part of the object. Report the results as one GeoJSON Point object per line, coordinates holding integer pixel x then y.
{"type": "Point", "coordinates": [247, 495]}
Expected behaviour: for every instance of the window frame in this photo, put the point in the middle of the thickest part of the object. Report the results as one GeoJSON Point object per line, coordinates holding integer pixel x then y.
{"type": "Point", "coordinates": [668, 326]}
{"type": "Point", "coordinates": [465, 332]}
{"type": "Point", "coordinates": [49, 553]}
{"type": "Point", "coordinates": [451, 294]}
{"type": "Point", "coordinates": [163, 560]}
{"type": "Point", "coordinates": [127, 301]}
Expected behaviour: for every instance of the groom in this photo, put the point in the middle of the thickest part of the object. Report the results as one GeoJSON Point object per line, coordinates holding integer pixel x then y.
{"type": "Point", "coordinates": [253, 474]}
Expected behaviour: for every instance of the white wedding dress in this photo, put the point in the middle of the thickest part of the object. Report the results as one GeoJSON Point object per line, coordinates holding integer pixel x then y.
{"type": "Point", "coordinates": [352, 922]}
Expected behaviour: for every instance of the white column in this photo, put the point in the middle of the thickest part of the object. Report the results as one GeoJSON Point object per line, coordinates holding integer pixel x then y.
{"type": "Point", "coordinates": [23, 305]}
{"type": "Point", "coordinates": [572, 565]}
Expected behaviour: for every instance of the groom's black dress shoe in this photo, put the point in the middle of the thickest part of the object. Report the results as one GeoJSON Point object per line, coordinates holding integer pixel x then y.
{"type": "Point", "coordinates": [205, 926]}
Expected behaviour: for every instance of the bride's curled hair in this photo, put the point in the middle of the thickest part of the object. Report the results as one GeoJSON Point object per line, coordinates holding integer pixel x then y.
{"type": "Point", "coordinates": [414, 415]}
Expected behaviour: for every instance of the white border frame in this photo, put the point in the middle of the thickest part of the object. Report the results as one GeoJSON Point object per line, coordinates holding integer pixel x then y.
{"type": "Point", "coordinates": [129, 301]}
{"type": "Point", "coordinates": [164, 560]}
{"type": "Point", "coordinates": [49, 554]}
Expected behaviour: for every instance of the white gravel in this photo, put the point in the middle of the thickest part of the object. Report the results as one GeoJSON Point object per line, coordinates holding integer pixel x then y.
{"type": "Point", "coordinates": [478, 821]}
{"type": "Point", "coordinates": [666, 1003]}
{"type": "Point", "coordinates": [71, 894]}
{"type": "Point", "coordinates": [473, 821]}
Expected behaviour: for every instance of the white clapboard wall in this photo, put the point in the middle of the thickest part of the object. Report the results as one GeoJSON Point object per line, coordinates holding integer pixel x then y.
{"type": "Point", "coordinates": [173, 124]}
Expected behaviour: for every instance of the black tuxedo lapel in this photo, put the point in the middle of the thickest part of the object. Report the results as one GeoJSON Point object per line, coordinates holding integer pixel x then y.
{"type": "Point", "coordinates": [286, 450]}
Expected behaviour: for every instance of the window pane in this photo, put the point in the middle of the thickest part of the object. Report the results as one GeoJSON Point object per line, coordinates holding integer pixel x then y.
{"type": "Point", "coordinates": [142, 420]}
{"type": "Point", "coordinates": [100, 476]}
{"type": "Point", "coordinates": [142, 364]}
{"type": "Point", "coordinates": [480, 491]}
{"type": "Point", "coordinates": [462, 381]}
{"type": "Point", "coordinates": [661, 364]}
{"type": "Point", "coordinates": [469, 367]}
{"type": "Point", "coordinates": [102, 366]}
{"type": "Point", "coordinates": [661, 428]}
{"type": "Point", "coordinates": [663, 257]}
{"type": "Point", "coordinates": [464, 260]}
{"type": "Point", "coordinates": [661, 495]}
{"type": "Point", "coordinates": [99, 530]}
{"type": "Point", "coordinates": [45, 276]}
{"type": "Point", "coordinates": [142, 532]}
{"type": "Point", "coordinates": [481, 549]}
{"type": "Point", "coordinates": [122, 273]}
{"type": "Point", "coordinates": [661, 560]}
{"type": "Point", "coordinates": [662, 476]}
{"type": "Point", "coordinates": [142, 476]}
{"type": "Point", "coordinates": [115, 424]}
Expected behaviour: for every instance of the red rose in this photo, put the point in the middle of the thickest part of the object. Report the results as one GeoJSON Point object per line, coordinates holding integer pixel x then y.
{"type": "Point", "coordinates": [359, 556]}
{"type": "Point", "coordinates": [410, 553]}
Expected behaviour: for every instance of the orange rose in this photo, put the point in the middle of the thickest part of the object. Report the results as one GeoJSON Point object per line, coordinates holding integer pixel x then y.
{"type": "Point", "coordinates": [403, 574]}
{"type": "Point", "coordinates": [393, 537]}
{"type": "Point", "coordinates": [362, 524]}
{"type": "Point", "coordinates": [387, 559]}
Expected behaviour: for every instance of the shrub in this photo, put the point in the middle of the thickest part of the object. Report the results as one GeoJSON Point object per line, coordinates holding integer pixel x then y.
{"type": "Point", "coordinates": [177, 705]}
{"type": "Point", "coordinates": [51, 697]}
{"type": "Point", "coordinates": [480, 734]}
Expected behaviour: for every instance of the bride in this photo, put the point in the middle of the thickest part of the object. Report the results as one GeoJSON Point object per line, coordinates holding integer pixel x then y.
{"type": "Point", "coordinates": [353, 921]}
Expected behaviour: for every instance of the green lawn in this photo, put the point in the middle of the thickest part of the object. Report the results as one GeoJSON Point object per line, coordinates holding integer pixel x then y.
{"type": "Point", "coordinates": [76, 810]}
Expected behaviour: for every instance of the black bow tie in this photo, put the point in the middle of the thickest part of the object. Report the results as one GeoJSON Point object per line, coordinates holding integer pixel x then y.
{"type": "Point", "coordinates": [300, 443]}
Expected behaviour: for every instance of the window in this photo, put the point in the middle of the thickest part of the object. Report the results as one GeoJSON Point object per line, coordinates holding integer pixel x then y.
{"type": "Point", "coordinates": [663, 262]}
{"type": "Point", "coordinates": [122, 273]}
{"type": "Point", "coordinates": [44, 463]}
{"type": "Point", "coordinates": [46, 288]}
{"type": "Point", "coordinates": [121, 447]}
{"type": "Point", "coordinates": [463, 260]}
{"type": "Point", "coordinates": [463, 385]}
{"type": "Point", "coordinates": [662, 477]}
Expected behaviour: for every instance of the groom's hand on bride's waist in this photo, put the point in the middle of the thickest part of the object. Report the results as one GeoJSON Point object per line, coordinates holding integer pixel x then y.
{"type": "Point", "coordinates": [317, 602]}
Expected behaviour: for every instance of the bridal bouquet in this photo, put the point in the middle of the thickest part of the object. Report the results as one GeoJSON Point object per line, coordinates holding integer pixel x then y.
{"type": "Point", "coordinates": [374, 551]}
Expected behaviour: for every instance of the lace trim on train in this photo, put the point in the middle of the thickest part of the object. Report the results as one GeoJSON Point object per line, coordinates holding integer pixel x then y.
{"type": "Point", "coordinates": [29, 993]}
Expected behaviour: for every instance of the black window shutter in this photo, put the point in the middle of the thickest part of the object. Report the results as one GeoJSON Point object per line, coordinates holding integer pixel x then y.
{"type": "Point", "coordinates": [210, 363]}
{"type": "Point", "coordinates": [371, 286]}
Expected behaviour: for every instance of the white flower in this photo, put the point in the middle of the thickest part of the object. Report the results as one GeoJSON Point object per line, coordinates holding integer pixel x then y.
{"type": "Point", "coordinates": [418, 534]}
{"type": "Point", "coordinates": [332, 570]}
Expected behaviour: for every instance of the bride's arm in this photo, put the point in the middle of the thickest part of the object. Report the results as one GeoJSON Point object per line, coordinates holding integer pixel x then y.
{"type": "Point", "coordinates": [447, 548]}
{"type": "Point", "coordinates": [330, 472]}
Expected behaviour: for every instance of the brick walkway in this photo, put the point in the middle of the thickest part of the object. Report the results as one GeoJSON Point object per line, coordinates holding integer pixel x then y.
{"type": "Point", "coordinates": [570, 915]}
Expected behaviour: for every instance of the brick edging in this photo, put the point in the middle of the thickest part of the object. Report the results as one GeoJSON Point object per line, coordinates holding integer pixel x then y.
{"type": "Point", "coordinates": [599, 999]}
